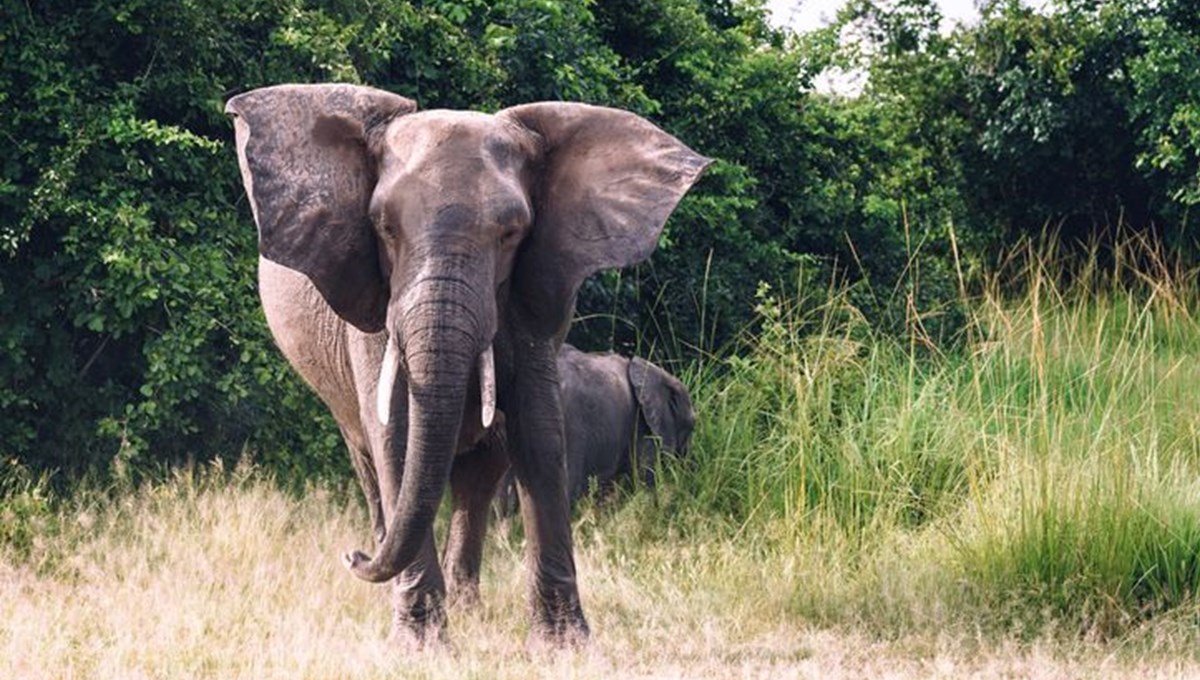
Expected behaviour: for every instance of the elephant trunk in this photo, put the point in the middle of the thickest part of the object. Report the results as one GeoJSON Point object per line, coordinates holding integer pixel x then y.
{"type": "Point", "coordinates": [387, 382]}
{"type": "Point", "coordinates": [440, 349]}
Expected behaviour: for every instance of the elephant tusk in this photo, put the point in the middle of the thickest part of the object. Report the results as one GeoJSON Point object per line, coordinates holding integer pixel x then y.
{"type": "Point", "coordinates": [487, 386]}
{"type": "Point", "coordinates": [387, 380]}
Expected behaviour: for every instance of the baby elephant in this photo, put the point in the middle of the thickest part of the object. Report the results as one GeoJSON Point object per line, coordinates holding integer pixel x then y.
{"type": "Point", "coordinates": [617, 413]}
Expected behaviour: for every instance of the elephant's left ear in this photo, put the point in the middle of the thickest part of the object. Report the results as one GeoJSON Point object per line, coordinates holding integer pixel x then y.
{"type": "Point", "coordinates": [607, 183]}
{"type": "Point", "coordinates": [664, 401]}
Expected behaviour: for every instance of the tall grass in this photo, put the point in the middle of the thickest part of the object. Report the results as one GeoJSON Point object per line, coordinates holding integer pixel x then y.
{"type": "Point", "coordinates": [1040, 472]}
{"type": "Point", "coordinates": [214, 573]}
{"type": "Point", "coordinates": [1023, 501]}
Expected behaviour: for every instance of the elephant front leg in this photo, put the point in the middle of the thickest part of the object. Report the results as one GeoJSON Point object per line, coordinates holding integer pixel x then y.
{"type": "Point", "coordinates": [418, 600]}
{"type": "Point", "coordinates": [419, 592]}
{"type": "Point", "coordinates": [538, 455]}
{"type": "Point", "coordinates": [473, 482]}
{"type": "Point", "coordinates": [364, 469]}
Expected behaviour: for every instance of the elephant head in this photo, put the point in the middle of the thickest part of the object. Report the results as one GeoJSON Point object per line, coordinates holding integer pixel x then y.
{"type": "Point", "coordinates": [664, 403]}
{"type": "Point", "coordinates": [448, 230]}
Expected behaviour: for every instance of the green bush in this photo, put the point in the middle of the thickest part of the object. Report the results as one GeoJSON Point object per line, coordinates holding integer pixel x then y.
{"type": "Point", "coordinates": [26, 509]}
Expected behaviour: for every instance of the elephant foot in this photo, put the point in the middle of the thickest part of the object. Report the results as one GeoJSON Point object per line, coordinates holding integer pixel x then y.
{"type": "Point", "coordinates": [559, 623]}
{"type": "Point", "coordinates": [463, 594]}
{"type": "Point", "coordinates": [409, 640]}
{"type": "Point", "coordinates": [544, 642]}
{"type": "Point", "coordinates": [419, 622]}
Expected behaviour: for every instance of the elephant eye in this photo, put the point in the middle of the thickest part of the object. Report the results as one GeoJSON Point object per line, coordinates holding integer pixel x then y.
{"type": "Point", "coordinates": [379, 220]}
{"type": "Point", "coordinates": [509, 237]}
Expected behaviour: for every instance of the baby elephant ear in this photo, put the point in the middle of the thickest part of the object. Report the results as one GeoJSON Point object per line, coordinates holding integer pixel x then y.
{"type": "Point", "coordinates": [664, 401]}
{"type": "Point", "coordinates": [606, 184]}
{"type": "Point", "coordinates": [309, 175]}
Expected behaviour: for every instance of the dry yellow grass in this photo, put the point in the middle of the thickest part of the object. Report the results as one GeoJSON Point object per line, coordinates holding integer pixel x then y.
{"type": "Point", "coordinates": [234, 579]}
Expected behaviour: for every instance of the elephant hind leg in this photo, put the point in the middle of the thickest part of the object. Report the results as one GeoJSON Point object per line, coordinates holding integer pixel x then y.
{"type": "Point", "coordinates": [473, 482]}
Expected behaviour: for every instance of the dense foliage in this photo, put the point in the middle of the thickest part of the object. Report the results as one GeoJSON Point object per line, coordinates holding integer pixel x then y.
{"type": "Point", "coordinates": [129, 327]}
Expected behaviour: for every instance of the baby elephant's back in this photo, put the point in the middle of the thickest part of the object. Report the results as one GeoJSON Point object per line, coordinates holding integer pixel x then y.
{"type": "Point", "coordinates": [599, 412]}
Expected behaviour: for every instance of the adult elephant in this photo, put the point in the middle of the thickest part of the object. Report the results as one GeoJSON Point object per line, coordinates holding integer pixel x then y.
{"type": "Point", "coordinates": [464, 238]}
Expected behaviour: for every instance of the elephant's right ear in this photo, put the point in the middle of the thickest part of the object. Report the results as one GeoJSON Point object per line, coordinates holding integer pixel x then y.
{"type": "Point", "coordinates": [309, 175]}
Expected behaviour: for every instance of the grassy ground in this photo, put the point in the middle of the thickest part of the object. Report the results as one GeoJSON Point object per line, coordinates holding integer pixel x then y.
{"type": "Point", "coordinates": [1026, 504]}
{"type": "Point", "coordinates": [233, 579]}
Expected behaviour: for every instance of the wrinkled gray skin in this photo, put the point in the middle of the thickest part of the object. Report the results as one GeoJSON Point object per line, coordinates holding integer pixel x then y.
{"type": "Point", "coordinates": [618, 413]}
{"type": "Point", "coordinates": [458, 236]}
{"type": "Point", "coordinates": [342, 365]}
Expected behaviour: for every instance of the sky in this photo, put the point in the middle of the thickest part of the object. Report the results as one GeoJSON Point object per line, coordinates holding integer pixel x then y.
{"type": "Point", "coordinates": [805, 15]}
